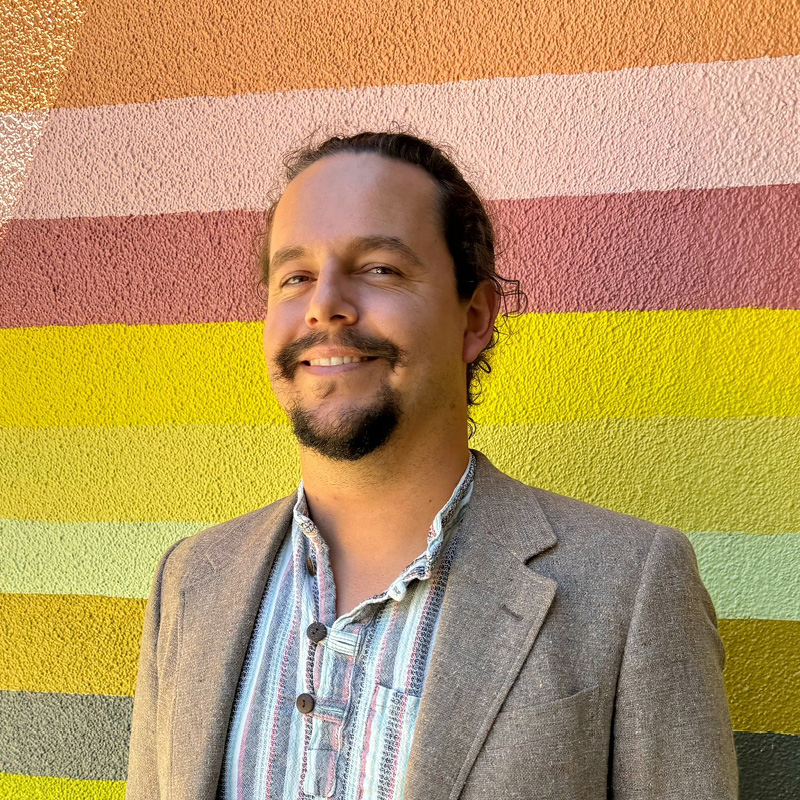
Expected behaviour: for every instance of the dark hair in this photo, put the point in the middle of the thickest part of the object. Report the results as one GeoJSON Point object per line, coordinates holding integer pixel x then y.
{"type": "Point", "coordinates": [465, 223]}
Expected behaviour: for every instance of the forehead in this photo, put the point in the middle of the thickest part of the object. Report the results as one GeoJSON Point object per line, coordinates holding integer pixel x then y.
{"type": "Point", "coordinates": [358, 194]}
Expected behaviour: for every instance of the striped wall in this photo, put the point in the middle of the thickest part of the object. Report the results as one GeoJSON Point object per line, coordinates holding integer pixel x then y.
{"type": "Point", "coordinates": [642, 160]}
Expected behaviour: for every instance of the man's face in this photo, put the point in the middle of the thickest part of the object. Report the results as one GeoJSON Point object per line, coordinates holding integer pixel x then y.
{"type": "Point", "coordinates": [359, 268]}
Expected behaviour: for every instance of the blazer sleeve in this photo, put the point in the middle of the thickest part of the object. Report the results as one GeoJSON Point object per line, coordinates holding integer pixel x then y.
{"type": "Point", "coordinates": [672, 733]}
{"type": "Point", "coordinates": [142, 782]}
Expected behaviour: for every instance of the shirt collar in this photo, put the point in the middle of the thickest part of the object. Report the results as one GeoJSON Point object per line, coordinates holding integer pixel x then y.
{"type": "Point", "coordinates": [440, 532]}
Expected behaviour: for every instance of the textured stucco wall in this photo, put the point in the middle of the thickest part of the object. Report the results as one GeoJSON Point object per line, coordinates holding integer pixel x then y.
{"type": "Point", "coordinates": [642, 160]}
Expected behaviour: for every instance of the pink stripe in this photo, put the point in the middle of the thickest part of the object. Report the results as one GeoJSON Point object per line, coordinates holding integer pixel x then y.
{"type": "Point", "coordinates": [675, 126]}
{"type": "Point", "coordinates": [719, 248]}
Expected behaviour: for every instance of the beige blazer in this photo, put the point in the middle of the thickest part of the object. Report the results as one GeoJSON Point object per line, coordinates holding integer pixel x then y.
{"type": "Point", "coordinates": [577, 657]}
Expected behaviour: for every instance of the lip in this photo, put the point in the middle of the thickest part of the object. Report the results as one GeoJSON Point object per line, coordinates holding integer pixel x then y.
{"type": "Point", "coordinates": [338, 368]}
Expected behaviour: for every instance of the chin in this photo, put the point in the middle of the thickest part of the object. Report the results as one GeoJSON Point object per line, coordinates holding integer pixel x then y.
{"type": "Point", "coordinates": [352, 433]}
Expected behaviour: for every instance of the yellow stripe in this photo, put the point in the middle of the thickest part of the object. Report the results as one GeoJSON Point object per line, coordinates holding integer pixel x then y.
{"type": "Point", "coordinates": [762, 671]}
{"type": "Point", "coordinates": [712, 475]}
{"type": "Point", "coordinates": [70, 643]}
{"type": "Point", "coordinates": [556, 367]}
{"type": "Point", "coordinates": [30, 787]}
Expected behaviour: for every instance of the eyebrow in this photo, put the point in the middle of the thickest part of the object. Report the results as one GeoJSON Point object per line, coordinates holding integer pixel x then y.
{"type": "Point", "coordinates": [361, 244]}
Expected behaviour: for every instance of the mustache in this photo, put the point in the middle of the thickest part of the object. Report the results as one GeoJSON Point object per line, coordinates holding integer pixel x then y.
{"type": "Point", "coordinates": [288, 359]}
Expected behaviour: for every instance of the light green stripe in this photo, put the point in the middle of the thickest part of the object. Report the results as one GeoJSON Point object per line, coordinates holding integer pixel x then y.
{"type": "Point", "coordinates": [27, 787]}
{"type": "Point", "coordinates": [751, 577]}
{"type": "Point", "coordinates": [114, 559]}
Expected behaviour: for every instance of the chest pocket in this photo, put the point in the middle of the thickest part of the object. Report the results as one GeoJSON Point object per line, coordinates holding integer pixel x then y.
{"type": "Point", "coordinates": [547, 723]}
{"type": "Point", "coordinates": [552, 751]}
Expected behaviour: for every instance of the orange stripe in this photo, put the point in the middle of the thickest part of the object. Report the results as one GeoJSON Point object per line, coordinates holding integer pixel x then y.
{"type": "Point", "coordinates": [35, 50]}
{"type": "Point", "coordinates": [145, 50]}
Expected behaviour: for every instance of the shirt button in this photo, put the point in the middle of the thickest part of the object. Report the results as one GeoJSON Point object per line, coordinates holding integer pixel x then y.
{"type": "Point", "coordinates": [305, 703]}
{"type": "Point", "coordinates": [310, 566]}
{"type": "Point", "coordinates": [316, 631]}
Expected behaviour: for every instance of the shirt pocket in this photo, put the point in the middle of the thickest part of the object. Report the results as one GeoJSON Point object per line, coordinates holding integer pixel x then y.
{"type": "Point", "coordinates": [390, 729]}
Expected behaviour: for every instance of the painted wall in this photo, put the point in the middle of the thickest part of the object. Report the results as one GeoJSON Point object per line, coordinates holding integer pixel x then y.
{"type": "Point", "coordinates": [643, 162]}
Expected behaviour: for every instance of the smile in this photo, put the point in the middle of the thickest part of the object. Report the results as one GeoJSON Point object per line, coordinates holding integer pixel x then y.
{"type": "Point", "coordinates": [336, 361]}
{"type": "Point", "coordinates": [333, 366]}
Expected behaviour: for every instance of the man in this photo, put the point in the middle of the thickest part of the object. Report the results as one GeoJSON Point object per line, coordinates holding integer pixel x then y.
{"type": "Point", "coordinates": [413, 623]}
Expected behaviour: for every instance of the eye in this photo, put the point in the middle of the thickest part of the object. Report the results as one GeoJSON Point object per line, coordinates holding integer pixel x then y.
{"type": "Point", "coordinates": [288, 281]}
{"type": "Point", "coordinates": [389, 270]}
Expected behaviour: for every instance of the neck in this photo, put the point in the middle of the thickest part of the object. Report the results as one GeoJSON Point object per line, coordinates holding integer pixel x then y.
{"type": "Point", "coordinates": [379, 509]}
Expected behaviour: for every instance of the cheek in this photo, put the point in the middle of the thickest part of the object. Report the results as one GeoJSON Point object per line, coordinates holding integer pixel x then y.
{"type": "Point", "coordinates": [271, 339]}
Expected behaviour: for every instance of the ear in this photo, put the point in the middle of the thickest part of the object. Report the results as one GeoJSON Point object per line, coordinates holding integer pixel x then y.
{"type": "Point", "coordinates": [482, 312]}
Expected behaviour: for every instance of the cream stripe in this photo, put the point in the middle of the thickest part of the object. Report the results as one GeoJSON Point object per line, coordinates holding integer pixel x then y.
{"type": "Point", "coordinates": [682, 126]}
{"type": "Point", "coordinates": [749, 576]}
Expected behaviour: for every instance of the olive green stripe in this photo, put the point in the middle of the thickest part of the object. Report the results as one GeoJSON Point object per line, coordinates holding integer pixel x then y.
{"type": "Point", "coordinates": [65, 735]}
{"type": "Point", "coordinates": [88, 736]}
{"type": "Point", "coordinates": [749, 576]}
{"type": "Point", "coordinates": [762, 674]}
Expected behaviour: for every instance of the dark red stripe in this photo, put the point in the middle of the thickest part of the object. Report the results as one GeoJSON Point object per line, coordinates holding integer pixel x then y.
{"type": "Point", "coordinates": [720, 248]}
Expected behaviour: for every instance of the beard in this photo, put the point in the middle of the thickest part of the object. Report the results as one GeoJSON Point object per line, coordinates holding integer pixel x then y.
{"type": "Point", "coordinates": [357, 433]}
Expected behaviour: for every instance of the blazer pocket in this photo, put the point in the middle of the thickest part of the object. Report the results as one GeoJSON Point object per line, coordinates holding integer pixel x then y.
{"type": "Point", "coordinates": [558, 720]}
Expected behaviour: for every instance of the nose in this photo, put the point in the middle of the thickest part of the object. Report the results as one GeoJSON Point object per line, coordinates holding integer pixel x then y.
{"type": "Point", "coordinates": [329, 302]}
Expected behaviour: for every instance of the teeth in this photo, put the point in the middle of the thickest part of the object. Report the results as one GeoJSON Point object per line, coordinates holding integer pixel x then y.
{"type": "Point", "coordinates": [336, 360]}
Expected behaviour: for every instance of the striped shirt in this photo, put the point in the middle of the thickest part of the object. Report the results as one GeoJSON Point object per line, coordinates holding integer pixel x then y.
{"type": "Point", "coordinates": [365, 676]}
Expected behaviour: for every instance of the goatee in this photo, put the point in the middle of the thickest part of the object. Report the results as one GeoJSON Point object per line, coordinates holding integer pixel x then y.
{"type": "Point", "coordinates": [357, 433]}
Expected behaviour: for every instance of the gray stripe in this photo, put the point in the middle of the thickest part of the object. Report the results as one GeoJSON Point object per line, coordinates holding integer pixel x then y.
{"type": "Point", "coordinates": [769, 766]}
{"type": "Point", "coordinates": [65, 735]}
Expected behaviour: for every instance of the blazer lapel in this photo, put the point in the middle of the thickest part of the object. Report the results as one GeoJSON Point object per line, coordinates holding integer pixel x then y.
{"type": "Point", "coordinates": [220, 609]}
{"type": "Point", "coordinates": [493, 608]}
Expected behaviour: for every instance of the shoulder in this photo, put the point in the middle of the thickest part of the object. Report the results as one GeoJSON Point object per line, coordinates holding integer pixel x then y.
{"type": "Point", "coordinates": [613, 553]}
{"type": "Point", "coordinates": [569, 533]}
{"type": "Point", "coordinates": [596, 529]}
{"type": "Point", "coordinates": [190, 559]}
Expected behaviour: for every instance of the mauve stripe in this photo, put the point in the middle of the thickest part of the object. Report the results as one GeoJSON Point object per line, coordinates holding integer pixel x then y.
{"type": "Point", "coordinates": [720, 248]}
{"type": "Point", "coordinates": [360, 720]}
{"type": "Point", "coordinates": [689, 249]}
{"type": "Point", "coordinates": [134, 270]}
